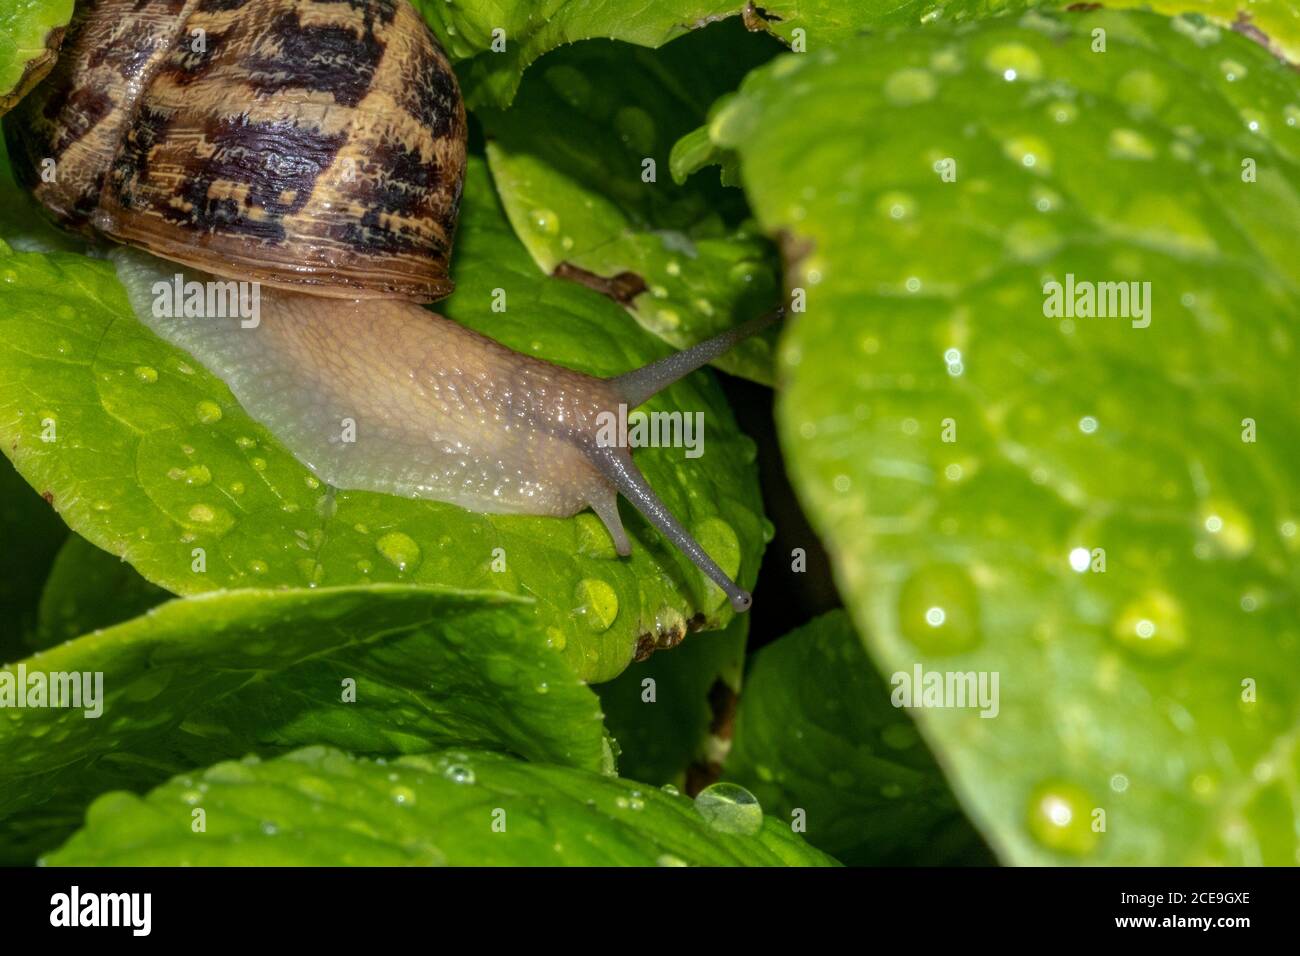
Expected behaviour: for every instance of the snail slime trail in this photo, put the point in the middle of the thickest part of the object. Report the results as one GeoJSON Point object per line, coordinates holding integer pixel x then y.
{"type": "Point", "coordinates": [331, 183]}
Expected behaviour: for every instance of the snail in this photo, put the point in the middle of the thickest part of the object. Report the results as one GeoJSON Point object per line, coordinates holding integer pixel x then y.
{"type": "Point", "coordinates": [318, 148]}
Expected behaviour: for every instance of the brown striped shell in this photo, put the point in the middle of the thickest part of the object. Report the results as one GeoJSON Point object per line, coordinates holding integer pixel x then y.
{"type": "Point", "coordinates": [316, 145]}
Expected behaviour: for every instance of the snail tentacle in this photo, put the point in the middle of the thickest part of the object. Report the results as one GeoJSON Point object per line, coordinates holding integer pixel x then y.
{"type": "Point", "coordinates": [606, 509]}
{"type": "Point", "coordinates": [640, 384]}
{"type": "Point", "coordinates": [616, 465]}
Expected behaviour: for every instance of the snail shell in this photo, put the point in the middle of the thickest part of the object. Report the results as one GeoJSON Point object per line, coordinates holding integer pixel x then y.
{"type": "Point", "coordinates": [305, 144]}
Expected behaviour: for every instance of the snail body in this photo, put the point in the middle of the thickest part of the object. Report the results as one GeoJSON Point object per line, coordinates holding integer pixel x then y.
{"type": "Point", "coordinates": [318, 148]}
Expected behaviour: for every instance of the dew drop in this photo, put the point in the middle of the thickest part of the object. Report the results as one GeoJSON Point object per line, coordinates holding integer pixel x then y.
{"type": "Point", "coordinates": [947, 61]}
{"type": "Point", "coordinates": [899, 736]}
{"type": "Point", "coordinates": [938, 610]}
{"type": "Point", "coordinates": [1030, 152]}
{"type": "Point", "coordinates": [195, 475]}
{"type": "Point", "coordinates": [545, 221]}
{"type": "Point", "coordinates": [1130, 144]}
{"type": "Point", "coordinates": [399, 549]}
{"type": "Point", "coordinates": [1232, 70]}
{"type": "Point", "coordinates": [1045, 200]}
{"type": "Point", "coordinates": [1255, 121]}
{"type": "Point", "coordinates": [596, 603]}
{"type": "Point", "coordinates": [1143, 91]}
{"type": "Point", "coordinates": [402, 796]}
{"type": "Point", "coordinates": [458, 773]}
{"type": "Point", "coordinates": [1014, 61]}
{"type": "Point", "coordinates": [146, 374]}
{"type": "Point", "coordinates": [730, 808]}
{"type": "Point", "coordinates": [1060, 818]}
{"type": "Point", "coordinates": [667, 859]}
{"type": "Point", "coordinates": [909, 86]}
{"type": "Point", "coordinates": [1031, 240]}
{"type": "Point", "coordinates": [202, 514]}
{"type": "Point", "coordinates": [1230, 529]}
{"type": "Point", "coordinates": [1063, 111]}
{"type": "Point", "coordinates": [896, 205]}
{"type": "Point", "coordinates": [208, 412]}
{"type": "Point", "coordinates": [1152, 625]}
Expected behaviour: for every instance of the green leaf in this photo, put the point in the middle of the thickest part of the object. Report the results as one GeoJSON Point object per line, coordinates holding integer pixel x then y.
{"type": "Point", "coordinates": [156, 463]}
{"type": "Point", "coordinates": [1274, 24]}
{"type": "Point", "coordinates": [449, 808]}
{"type": "Point", "coordinates": [666, 727]}
{"type": "Point", "coordinates": [530, 28]}
{"type": "Point", "coordinates": [30, 535]}
{"type": "Point", "coordinates": [87, 590]}
{"type": "Point", "coordinates": [816, 732]}
{"type": "Point", "coordinates": [962, 453]}
{"type": "Point", "coordinates": [695, 150]}
{"type": "Point", "coordinates": [214, 676]}
{"type": "Point", "coordinates": [30, 34]}
{"type": "Point", "coordinates": [569, 159]}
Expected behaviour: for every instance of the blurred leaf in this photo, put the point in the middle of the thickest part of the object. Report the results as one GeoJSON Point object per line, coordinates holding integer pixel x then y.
{"type": "Point", "coordinates": [30, 33]}
{"type": "Point", "coordinates": [816, 732]}
{"type": "Point", "coordinates": [30, 535]}
{"type": "Point", "coordinates": [659, 739]}
{"type": "Point", "coordinates": [154, 460]}
{"type": "Point", "coordinates": [568, 160]}
{"type": "Point", "coordinates": [88, 589]}
{"type": "Point", "coordinates": [451, 808]}
{"type": "Point", "coordinates": [962, 453]}
{"type": "Point", "coordinates": [214, 676]}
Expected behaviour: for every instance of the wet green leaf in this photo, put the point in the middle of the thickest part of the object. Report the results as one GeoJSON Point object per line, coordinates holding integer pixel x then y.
{"type": "Point", "coordinates": [152, 460]}
{"type": "Point", "coordinates": [571, 159]}
{"type": "Point", "coordinates": [384, 669]}
{"type": "Point", "coordinates": [447, 808]}
{"type": "Point", "coordinates": [817, 738]}
{"type": "Point", "coordinates": [30, 34]}
{"type": "Point", "coordinates": [973, 459]}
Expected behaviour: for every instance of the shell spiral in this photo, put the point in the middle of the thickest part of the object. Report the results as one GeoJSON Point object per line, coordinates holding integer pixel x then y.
{"type": "Point", "coordinates": [313, 145]}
